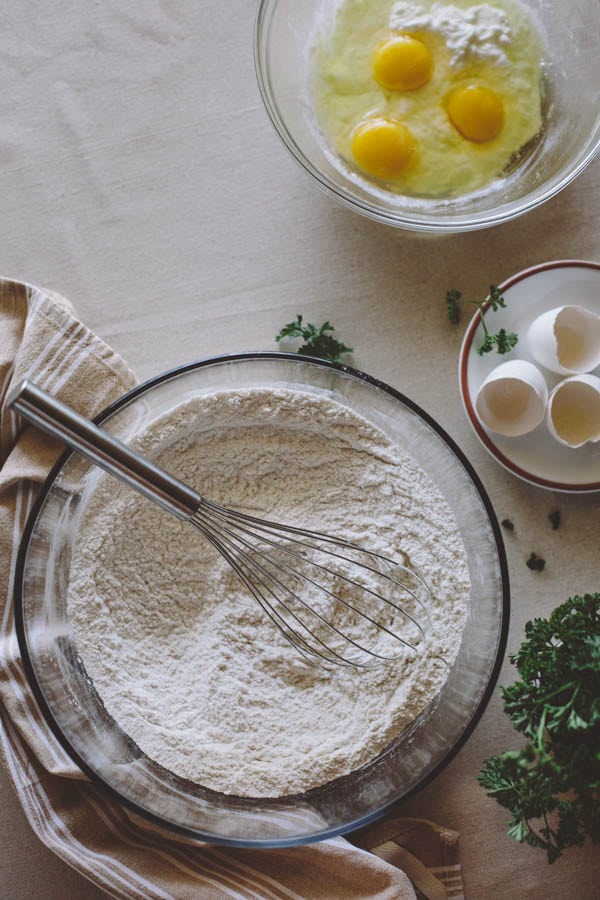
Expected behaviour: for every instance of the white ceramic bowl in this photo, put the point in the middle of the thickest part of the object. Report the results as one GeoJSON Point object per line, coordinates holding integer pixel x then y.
{"type": "Point", "coordinates": [535, 457]}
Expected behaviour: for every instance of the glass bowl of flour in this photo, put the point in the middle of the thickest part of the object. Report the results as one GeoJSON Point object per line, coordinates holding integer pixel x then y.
{"type": "Point", "coordinates": [316, 64]}
{"type": "Point", "coordinates": [165, 681]}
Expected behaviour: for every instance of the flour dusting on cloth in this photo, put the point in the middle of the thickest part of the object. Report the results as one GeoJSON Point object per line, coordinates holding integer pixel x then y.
{"type": "Point", "coordinates": [184, 658]}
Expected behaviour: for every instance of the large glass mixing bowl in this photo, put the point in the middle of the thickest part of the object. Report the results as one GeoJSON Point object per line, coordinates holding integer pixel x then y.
{"type": "Point", "coordinates": [106, 754]}
{"type": "Point", "coordinates": [283, 38]}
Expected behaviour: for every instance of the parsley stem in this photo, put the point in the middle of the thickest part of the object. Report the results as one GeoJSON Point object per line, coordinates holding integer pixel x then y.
{"type": "Point", "coordinates": [502, 341]}
{"type": "Point", "coordinates": [570, 685]}
{"type": "Point", "coordinates": [482, 320]}
{"type": "Point", "coordinates": [549, 831]}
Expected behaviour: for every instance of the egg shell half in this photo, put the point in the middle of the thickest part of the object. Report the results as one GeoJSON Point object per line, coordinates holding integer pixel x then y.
{"type": "Point", "coordinates": [573, 415]}
{"type": "Point", "coordinates": [566, 340]}
{"type": "Point", "coordinates": [512, 399]}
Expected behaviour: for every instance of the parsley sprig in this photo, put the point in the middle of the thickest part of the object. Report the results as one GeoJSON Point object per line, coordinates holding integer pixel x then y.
{"type": "Point", "coordinates": [552, 785]}
{"type": "Point", "coordinates": [318, 339]}
{"type": "Point", "coordinates": [502, 340]}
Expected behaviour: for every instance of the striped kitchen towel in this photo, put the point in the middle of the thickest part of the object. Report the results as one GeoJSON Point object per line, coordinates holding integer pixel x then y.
{"type": "Point", "coordinates": [126, 857]}
{"type": "Point", "coordinates": [425, 851]}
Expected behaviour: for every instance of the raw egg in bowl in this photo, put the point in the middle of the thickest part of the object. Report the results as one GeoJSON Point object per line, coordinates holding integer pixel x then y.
{"type": "Point", "coordinates": [489, 108]}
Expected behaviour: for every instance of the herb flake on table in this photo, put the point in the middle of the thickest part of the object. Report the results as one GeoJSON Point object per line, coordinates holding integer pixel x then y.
{"type": "Point", "coordinates": [554, 518]}
{"type": "Point", "coordinates": [552, 785]}
{"type": "Point", "coordinates": [535, 563]}
{"type": "Point", "coordinates": [318, 339]}
{"type": "Point", "coordinates": [503, 341]}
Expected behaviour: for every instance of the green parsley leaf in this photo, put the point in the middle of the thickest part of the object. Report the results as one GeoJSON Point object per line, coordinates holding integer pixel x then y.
{"type": "Point", "coordinates": [503, 341]}
{"type": "Point", "coordinates": [496, 300]}
{"type": "Point", "coordinates": [551, 786]}
{"type": "Point", "coordinates": [318, 340]}
{"type": "Point", "coordinates": [452, 306]}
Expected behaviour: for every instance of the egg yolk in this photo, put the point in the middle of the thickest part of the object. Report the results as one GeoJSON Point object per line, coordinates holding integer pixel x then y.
{"type": "Point", "coordinates": [402, 63]}
{"type": "Point", "coordinates": [476, 111]}
{"type": "Point", "coordinates": [382, 147]}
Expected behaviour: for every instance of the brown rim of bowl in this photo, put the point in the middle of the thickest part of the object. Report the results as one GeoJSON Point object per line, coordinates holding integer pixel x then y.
{"type": "Point", "coordinates": [465, 350]}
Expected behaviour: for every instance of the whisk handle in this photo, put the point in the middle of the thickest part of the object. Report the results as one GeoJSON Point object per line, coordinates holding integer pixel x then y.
{"type": "Point", "coordinates": [79, 433]}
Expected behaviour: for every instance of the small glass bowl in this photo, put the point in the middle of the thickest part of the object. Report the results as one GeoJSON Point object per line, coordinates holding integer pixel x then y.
{"type": "Point", "coordinates": [283, 36]}
{"type": "Point", "coordinates": [75, 712]}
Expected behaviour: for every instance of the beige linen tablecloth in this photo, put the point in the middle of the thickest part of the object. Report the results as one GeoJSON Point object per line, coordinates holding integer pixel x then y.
{"type": "Point", "coordinates": [122, 854]}
{"type": "Point", "coordinates": [141, 178]}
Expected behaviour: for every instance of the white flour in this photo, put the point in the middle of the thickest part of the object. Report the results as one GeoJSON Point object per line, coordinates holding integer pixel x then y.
{"type": "Point", "coordinates": [477, 32]}
{"type": "Point", "coordinates": [186, 661]}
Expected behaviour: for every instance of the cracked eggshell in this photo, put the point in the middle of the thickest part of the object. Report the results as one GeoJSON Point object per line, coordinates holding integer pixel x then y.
{"type": "Point", "coordinates": [512, 399]}
{"type": "Point", "coordinates": [566, 340]}
{"type": "Point", "coordinates": [573, 415]}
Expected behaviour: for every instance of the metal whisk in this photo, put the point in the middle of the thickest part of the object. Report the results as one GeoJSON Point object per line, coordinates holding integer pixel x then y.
{"type": "Point", "coordinates": [334, 601]}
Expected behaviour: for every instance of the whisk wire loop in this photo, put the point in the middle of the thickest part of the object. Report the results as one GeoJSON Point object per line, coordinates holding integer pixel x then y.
{"type": "Point", "coordinates": [276, 529]}
{"type": "Point", "coordinates": [290, 634]}
{"type": "Point", "coordinates": [243, 536]}
{"type": "Point", "coordinates": [226, 541]}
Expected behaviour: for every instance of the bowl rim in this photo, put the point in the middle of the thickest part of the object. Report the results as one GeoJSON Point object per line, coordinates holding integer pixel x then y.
{"type": "Point", "coordinates": [326, 833]}
{"type": "Point", "coordinates": [454, 223]}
